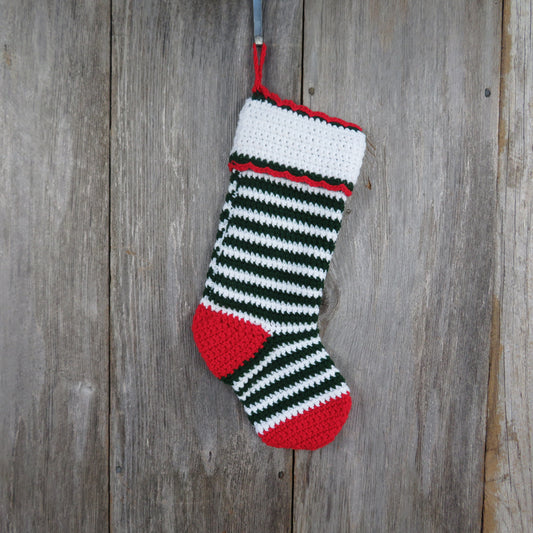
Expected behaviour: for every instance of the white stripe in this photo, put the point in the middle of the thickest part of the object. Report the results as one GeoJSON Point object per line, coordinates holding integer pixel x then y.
{"type": "Point", "coordinates": [291, 203]}
{"type": "Point", "coordinates": [266, 303]}
{"type": "Point", "coordinates": [298, 141]}
{"type": "Point", "coordinates": [296, 185]}
{"type": "Point", "coordinates": [281, 351]}
{"type": "Point", "coordinates": [280, 373]}
{"type": "Point", "coordinates": [269, 262]}
{"type": "Point", "coordinates": [287, 392]}
{"type": "Point", "coordinates": [279, 328]}
{"type": "Point", "coordinates": [267, 283]}
{"type": "Point", "coordinates": [280, 244]}
{"type": "Point", "coordinates": [226, 207]}
{"type": "Point", "coordinates": [289, 224]}
{"type": "Point", "coordinates": [262, 427]}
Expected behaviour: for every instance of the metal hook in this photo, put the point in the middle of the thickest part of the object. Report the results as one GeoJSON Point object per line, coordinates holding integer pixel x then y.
{"type": "Point", "coordinates": [258, 22]}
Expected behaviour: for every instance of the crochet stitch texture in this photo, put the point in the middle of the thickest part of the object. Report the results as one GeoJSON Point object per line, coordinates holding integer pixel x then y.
{"type": "Point", "coordinates": [257, 323]}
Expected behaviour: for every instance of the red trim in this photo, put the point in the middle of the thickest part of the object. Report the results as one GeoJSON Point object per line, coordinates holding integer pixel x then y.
{"type": "Point", "coordinates": [259, 87]}
{"type": "Point", "coordinates": [286, 174]}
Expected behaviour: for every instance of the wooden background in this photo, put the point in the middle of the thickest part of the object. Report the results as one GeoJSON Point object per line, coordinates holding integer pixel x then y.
{"type": "Point", "coordinates": [116, 121]}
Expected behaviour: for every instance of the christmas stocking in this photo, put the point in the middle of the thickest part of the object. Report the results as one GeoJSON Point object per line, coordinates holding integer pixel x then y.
{"type": "Point", "coordinates": [257, 323]}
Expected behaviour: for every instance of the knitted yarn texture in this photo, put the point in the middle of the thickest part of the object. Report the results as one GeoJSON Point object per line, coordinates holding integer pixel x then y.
{"type": "Point", "coordinates": [257, 323]}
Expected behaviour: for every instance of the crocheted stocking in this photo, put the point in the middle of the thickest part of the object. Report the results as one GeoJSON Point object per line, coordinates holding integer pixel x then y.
{"type": "Point", "coordinates": [257, 323]}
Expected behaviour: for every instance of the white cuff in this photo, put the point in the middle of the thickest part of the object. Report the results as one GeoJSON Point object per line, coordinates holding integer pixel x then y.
{"type": "Point", "coordinates": [292, 139]}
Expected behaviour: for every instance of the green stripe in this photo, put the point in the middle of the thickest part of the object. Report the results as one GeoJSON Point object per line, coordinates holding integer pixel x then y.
{"type": "Point", "coordinates": [267, 251]}
{"type": "Point", "coordinates": [252, 288]}
{"type": "Point", "coordinates": [270, 272]}
{"type": "Point", "coordinates": [223, 218]}
{"type": "Point", "coordinates": [291, 380]}
{"type": "Point", "coordinates": [271, 344]}
{"type": "Point", "coordinates": [258, 311]}
{"type": "Point", "coordinates": [283, 360]}
{"type": "Point", "coordinates": [260, 96]}
{"type": "Point", "coordinates": [294, 400]}
{"type": "Point", "coordinates": [263, 163]}
{"type": "Point", "coordinates": [286, 189]}
{"type": "Point", "coordinates": [288, 212]}
{"type": "Point", "coordinates": [283, 233]}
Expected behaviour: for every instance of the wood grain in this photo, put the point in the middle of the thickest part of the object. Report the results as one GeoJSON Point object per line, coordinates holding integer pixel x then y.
{"type": "Point", "coordinates": [408, 307]}
{"type": "Point", "coordinates": [184, 456]}
{"type": "Point", "coordinates": [431, 279]}
{"type": "Point", "coordinates": [508, 471]}
{"type": "Point", "coordinates": [54, 123]}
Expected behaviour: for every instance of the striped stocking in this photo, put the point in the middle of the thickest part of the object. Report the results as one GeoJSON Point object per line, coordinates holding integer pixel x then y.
{"type": "Point", "coordinates": [257, 323]}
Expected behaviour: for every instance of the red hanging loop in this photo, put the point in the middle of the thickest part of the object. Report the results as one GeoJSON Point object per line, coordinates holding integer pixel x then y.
{"type": "Point", "coordinates": [258, 65]}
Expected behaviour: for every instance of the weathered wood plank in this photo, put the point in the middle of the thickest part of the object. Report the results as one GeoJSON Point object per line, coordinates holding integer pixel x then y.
{"type": "Point", "coordinates": [184, 456]}
{"type": "Point", "coordinates": [54, 129]}
{"type": "Point", "coordinates": [407, 313]}
{"type": "Point", "coordinates": [508, 470]}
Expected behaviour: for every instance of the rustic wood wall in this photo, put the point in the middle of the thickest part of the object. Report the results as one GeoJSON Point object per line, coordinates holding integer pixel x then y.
{"type": "Point", "coordinates": [54, 265]}
{"type": "Point", "coordinates": [116, 121]}
{"type": "Point", "coordinates": [509, 453]}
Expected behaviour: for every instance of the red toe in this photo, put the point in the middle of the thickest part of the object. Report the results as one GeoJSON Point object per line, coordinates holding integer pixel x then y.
{"type": "Point", "coordinates": [313, 428]}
